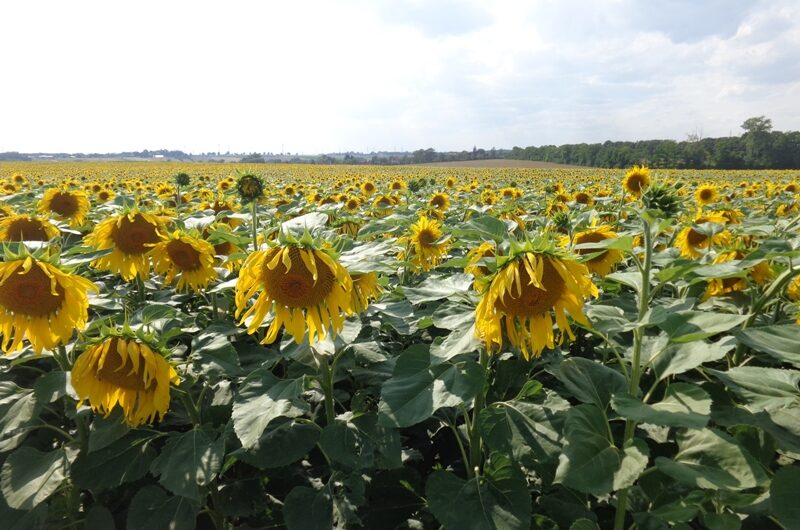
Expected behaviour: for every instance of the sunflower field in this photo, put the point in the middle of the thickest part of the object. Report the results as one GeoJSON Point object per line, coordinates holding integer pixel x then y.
{"type": "Point", "coordinates": [312, 347]}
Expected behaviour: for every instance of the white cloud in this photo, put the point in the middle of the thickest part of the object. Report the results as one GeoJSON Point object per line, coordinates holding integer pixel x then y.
{"type": "Point", "coordinates": [322, 76]}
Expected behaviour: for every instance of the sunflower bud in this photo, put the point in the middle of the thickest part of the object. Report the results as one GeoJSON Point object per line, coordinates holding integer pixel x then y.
{"type": "Point", "coordinates": [182, 179]}
{"type": "Point", "coordinates": [250, 187]}
{"type": "Point", "coordinates": [662, 198]}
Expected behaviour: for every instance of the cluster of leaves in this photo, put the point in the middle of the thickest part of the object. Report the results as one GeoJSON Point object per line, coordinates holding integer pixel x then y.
{"type": "Point", "coordinates": [669, 412]}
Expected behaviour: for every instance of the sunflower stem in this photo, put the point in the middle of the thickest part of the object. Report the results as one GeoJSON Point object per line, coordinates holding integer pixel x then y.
{"type": "Point", "coordinates": [475, 446]}
{"type": "Point", "coordinates": [191, 408]}
{"type": "Point", "coordinates": [636, 364]}
{"type": "Point", "coordinates": [254, 222]}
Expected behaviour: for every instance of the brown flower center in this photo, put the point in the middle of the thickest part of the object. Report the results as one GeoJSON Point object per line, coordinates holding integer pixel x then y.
{"type": "Point", "coordinates": [27, 229]}
{"type": "Point", "coordinates": [591, 237]}
{"type": "Point", "coordinates": [532, 301]}
{"type": "Point", "coordinates": [296, 287]}
{"type": "Point", "coordinates": [427, 237]}
{"type": "Point", "coordinates": [183, 255]}
{"type": "Point", "coordinates": [695, 238]}
{"type": "Point", "coordinates": [706, 194]}
{"type": "Point", "coordinates": [132, 237]}
{"type": "Point", "coordinates": [64, 204]}
{"type": "Point", "coordinates": [119, 374]}
{"type": "Point", "coordinates": [29, 294]}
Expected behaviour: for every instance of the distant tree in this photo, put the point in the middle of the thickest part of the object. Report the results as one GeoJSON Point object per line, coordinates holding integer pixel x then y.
{"type": "Point", "coordinates": [253, 158]}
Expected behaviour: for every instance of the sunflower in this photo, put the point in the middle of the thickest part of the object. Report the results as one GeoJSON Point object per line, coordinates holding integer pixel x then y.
{"type": "Point", "coordinates": [522, 295]}
{"type": "Point", "coordinates": [304, 287]}
{"type": "Point", "coordinates": [104, 195]}
{"type": "Point", "coordinates": [126, 372]}
{"type": "Point", "coordinates": [706, 194]}
{"type": "Point", "coordinates": [690, 241]}
{"type": "Point", "coordinates": [425, 250]}
{"type": "Point", "coordinates": [223, 246]}
{"type": "Point", "coordinates": [365, 290]}
{"type": "Point", "coordinates": [382, 205]}
{"type": "Point", "coordinates": [26, 228]}
{"type": "Point", "coordinates": [398, 185]}
{"type": "Point", "coordinates": [793, 289]}
{"type": "Point", "coordinates": [487, 249]}
{"type": "Point", "coordinates": [40, 302]}
{"type": "Point", "coordinates": [636, 180]}
{"type": "Point", "coordinates": [439, 201]}
{"type": "Point", "coordinates": [368, 188]}
{"type": "Point", "coordinates": [5, 211]}
{"type": "Point", "coordinates": [450, 182]}
{"type": "Point", "coordinates": [130, 236]}
{"type": "Point", "coordinates": [352, 204]}
{"type": "Point", "coordinates": [760, 273]}
{"type": "Point", "coordinates": [604, 262]}
{"type": "Point", "coordinates": [72, 206]}
{"type": "Point", "coordinates": [583, 198]}
{"type": "Point", "coordinates": [188, 257]}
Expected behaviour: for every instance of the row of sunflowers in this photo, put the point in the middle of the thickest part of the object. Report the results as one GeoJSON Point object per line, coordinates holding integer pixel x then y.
{"type": "Point", "coordinates": [201, 345]}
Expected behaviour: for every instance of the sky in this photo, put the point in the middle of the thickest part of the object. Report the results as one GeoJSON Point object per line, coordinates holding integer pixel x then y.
{"type": "Point", "coordinates": [368, 75]}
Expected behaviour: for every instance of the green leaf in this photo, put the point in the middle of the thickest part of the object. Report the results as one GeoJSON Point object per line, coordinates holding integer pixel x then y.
{"type": "Point", "coordinates": [721, 521]}
{"type": "Point", "coordinates": [680, 358]}
{"type": "Point", "coordinates": [416, 389]}
{"type": "Point", "coordinates": [52, 386]}
{"type": "Point", "coordinates": [482, 228]}
{"type": "Point", "coordinates": [683, 405]}
{"type": "Point", "coordinates": [18, 408]}
{"type": "Point", "coordinates": [784, 492]}
{"type": "Point", "coordinates": [778, 341]}
{"type": "Point", "coordinates": [590, 381]}
{"type": "Point", "coordinates": [123, 461]}
{"type": "Point", "coordinates": [187, 461]}
{"type": "Point", "coordinates": [281, 444]}
{"type": "Point", "coordinates": [634, 461]}
{"type": "Point", "coordinates": [261, 399]}
{"type": "Point", "coordinates": [153, 508]}
{"type": "Point", "coordinates": [216, 355]}
{"type": "Point", "coordinates": [99, 518]}
{"type": "Point", "coordinates": [306, 509]}
{"type": "Point", "coordinates": [528, 432]}
{"type": "Point", "coordinates": [769, 388]}
{"type": "Point", "coordinates": [105, 430]}
{"type": "Point", "coordinates": [458, 342]}
{"type": "Point", "coordinates": [710, 459]}
{"type": "Point", "coordinates": [584, 524]}
{"type": "Point", "coordinates": [590, 459]}
{"type": "Point", "coordinates": [438, 287]}
{"type": "Point", "coordinates": [452, 316]}
{"type": "Point", "coordinates": [631, 279]}
{"type": "Point", "coordinates": [29, 476]}
{"type": "Point", "coordinates": [687, 326]}
{"type": "Point", "coordinates": [499, 500]}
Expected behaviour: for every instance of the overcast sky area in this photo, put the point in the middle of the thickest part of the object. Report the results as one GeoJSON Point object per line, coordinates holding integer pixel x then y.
{"type": "Point", "coordinates": [364, 75]}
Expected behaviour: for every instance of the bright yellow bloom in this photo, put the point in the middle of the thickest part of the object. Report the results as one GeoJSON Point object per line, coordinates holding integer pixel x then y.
{"type": "Point", "coordinates": [305, 288]}
{"type": "Point", "coordinates": [690, 242]}
{"type": "Point", "coordinates": [606, 260]}
{"type": "Point", "coordinates": [760, 273]}
{"type": "Point", "coordinates": [189, 258]}
{"type": "Point", "coordinates": [124, 372]}
{"type": "Point", "coordinates": [130, 236]}
{"type": "Point", "coordinates": [72, 206]}
{"type": "Point", "coordinates": [365, 290]}
{"type": "Point", "coordinates": [523, 296]}
{"type": "Point", "coordinates": [424, 245]}
{"type": "Point", "coordinates": [40, 302]}
{"type": "Point", "coordinates": [439, 201]}
{"type": "Point", "coordinates": [705, 194]}
{"type": "Point", "coordinates": [636, 180]}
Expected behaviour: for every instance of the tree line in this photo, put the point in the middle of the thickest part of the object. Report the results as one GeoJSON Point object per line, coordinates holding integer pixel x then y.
{"type": "Point", "coordinates": [758, 148]}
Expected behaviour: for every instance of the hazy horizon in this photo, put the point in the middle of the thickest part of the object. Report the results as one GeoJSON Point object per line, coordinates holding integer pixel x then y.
{"type": "Point", "coordinates": [361, 76]}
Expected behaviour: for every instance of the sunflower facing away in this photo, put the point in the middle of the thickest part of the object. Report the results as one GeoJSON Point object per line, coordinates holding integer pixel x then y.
{"type": "Point", "coordinates": [524, 294]}
{"type": "Point", "coordinates": [605, 260]}
{"type": "Point", "coordinates": [40, 302]}
{"type": "Point", "coordinates": [26, 228]}
{"type": "Point", "coordinates": [125, 372]}
{"type": "Point", "coordinates": [70, 206]}
{"type": "Point", "coordinates": [426, 249]}
{"type": "Point", "coordinates": [636, 180]}
{"type": "Point", "coordinates": [189, 258]}
{"type": "Point", "coordinates": [304, 287]}
{"type": "Point", "coordinates": [130, 236]}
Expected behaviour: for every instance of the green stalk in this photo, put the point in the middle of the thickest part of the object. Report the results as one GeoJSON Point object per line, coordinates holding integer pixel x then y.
{"type": "Point", "coordinates": [636, 368]}
{"type": "Point", "coordinates": [475, 446]}
{"type": "Point", "coordinates": [254, 214]}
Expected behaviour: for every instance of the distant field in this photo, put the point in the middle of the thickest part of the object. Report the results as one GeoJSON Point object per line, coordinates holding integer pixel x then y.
{"type": "Point", "coordinates": [499, 162]}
